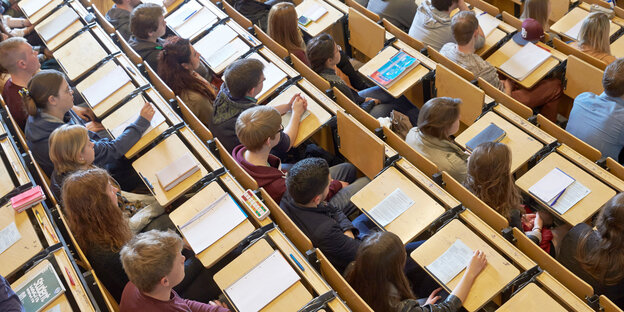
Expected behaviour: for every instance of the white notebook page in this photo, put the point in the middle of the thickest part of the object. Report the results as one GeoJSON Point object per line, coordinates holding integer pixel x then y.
{"type": "Point", "coordinates": [214, 40]}
{"type": "Point", "coordinates": [451, 262]}
{"type": "Point", "coordinates": [31, 7]}
{"type": "Point", "coordinates": [488, 23]}
{"type": "Point", "coordinates": [572, 195]}
{"type": "Point", "coordinates": [9, 236]}
{"type": "Point", "coordinates": [53, 27]}
{"type": "Point", "coordinates": [525, 61]}
{"type": "Point", "coordinates": [272, 74]}
{"type": "Point", "coordinates": [551, 185]}
{"type": "Point", "coordinates": [181, 15]}
{"type": "Point", "coordinates": [157, 119]}
{"type": "Point", "coordinates": [391, 207]}
{"type": "Point", "coordinates": [575, 30]}
{"type": "Point", "coordinates": [106, 86]}
{"type": "Point", "coordinates": [198, 22]}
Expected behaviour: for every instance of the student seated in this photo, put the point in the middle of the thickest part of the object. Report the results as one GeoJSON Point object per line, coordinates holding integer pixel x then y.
{"type": "Point", "coordinates": [71, 151]}
{"type": "Point", "coordinates": [398, 12]}
{"type": "Point", "coordinates": [438, 120]}
{"type": "Point", "coordinates": [15, 26]}
{"type": "Point", "coordinates": [544, 95]}
{"type": "Point", "coordinates": [598, 120]}
{"type": "Point", "coordinates": [254, 10]}
{"type": "Point", "coordinates": [324, 55]}
{"type": "Point", "coordinates": [538, 10]}
{"type": "Point", "coordinates": [594, 37]}
{"type": "Point", "coordinates": [154, 264]}
{"type": "Point", "coordinates": [147, 24]}
{"type": "Point", "coordinates": [596, 255]}
{"type": "Point", "coordinates": [377, 276]}
{"type": "Point", "coordinates": [180, 68]}
{"type": "Point", "coordinates": [259, 129]}
{"type": "Point", "coordinates": [101, 230]}
{"type": "Point", "coordinates": [119, 16]}
{"type": "Point", "coordinates": [21, 62]}
{"type": "Point", "coordinates": [48, 100]}
{"type": "Point", "coordinates": [9, 301]}
{"type": "Point", "coordinates": [432, 23]}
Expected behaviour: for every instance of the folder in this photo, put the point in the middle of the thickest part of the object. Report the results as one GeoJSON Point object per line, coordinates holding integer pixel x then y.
{"type": "Point", "coordinates": [177, 171]}
{"type": "Point", "coordinates": [491, 133]}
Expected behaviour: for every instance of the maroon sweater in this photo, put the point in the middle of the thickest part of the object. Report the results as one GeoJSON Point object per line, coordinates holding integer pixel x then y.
{"type": "Point", "coordinates": [272, 178]}
{"type": "Point", "coordinates": [133, 300]}
{"type": "Point", "coordinates": [11, 97]}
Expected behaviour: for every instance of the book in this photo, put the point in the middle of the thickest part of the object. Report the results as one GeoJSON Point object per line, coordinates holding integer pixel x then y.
{"type": "Point", "coordinates": [391, 207]}
{"type": "Point", "coordinates": [451, 262]}
{"type": "Point", "coordinates": [41, 288]}
{"type": "Point", "coordinates": [488, 23]}
{"type": "Point", "coordinates": [525, 61]}
{"type": "Point", "coordinates": [106, 86]}
{"type": "Point", "coordinates": [315, 12]}
{"type": "Point", "coordinates": [220, 216]}
{"type": "Point", "coordinates": [215, 40]}
{"type": "Point", "coordinates": [491, 133]}
{"type": "Point", "coordinates": [177, 171]}
{"type": "Point", "coordinates": [52, 27]}
{"type": "Point", "coordinates": [262, 284]}
{"type": "Point", "coordinates": [9, 236]}
{"type": "Point", "coordinates": [272, 74]}
{"type": "Point", "coordinates": [27, 199]}
{"type": "Point", "coordinates": [394, 69]}
{"type": "Point", "coordinates": [227, 53]}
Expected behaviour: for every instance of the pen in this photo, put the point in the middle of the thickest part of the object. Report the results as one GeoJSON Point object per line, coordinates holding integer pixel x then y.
{"type": "Point", "coordinates": [558, 196]}
{"type": "Point", "coordinates": [297, 262]}
{"type": "Point", "coordinates": [250, 38]}
{"type": "Point", "coordinates": [44, 226]}
{"type": "Point", "coordinates": [189, 16]}
{"type": "Point", "coordinates": [71, 279]}
{"type": "Point", "coordinates": [542, 47]}
{"type": "Point", "coordinates": [483, 13]}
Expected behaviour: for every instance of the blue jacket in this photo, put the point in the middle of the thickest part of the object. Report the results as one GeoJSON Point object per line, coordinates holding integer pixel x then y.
{"type": "Point", "coordinates": [107, 152]}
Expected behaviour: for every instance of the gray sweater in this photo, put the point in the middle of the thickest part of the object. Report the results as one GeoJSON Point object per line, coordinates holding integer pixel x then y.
{"type": "Point", "coordinates": [120, 19]}
{"type": "Point", "coordinates": [399, 12]}
{"type": "Point", "coordinates": [473, 63]}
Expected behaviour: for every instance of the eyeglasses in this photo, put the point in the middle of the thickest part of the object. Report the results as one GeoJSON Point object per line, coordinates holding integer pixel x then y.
{"type": "Point", "coordinates": [280, 130]}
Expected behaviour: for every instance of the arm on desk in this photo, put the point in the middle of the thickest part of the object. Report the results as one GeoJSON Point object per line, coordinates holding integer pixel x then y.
{"type": "Point", "coordinates": [298, 104]}
{"type": "Point", "coordinates": [477, 264]}
{"type": "Point", "coordinates": [107, 150]}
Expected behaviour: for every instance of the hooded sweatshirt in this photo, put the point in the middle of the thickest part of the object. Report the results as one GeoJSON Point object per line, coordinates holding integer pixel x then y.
{"type": "Point", "coordinates": [431, 26]}
{"type": "Point", "coordinates": [120, 19]}
{"type": "Point", "coordinates": [225, 112]}
{"type": "Point", "coordinates": [148, 50]}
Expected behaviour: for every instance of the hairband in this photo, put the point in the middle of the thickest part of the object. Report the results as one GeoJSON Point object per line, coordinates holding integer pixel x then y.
{"type": "Point", "coordinates": [23, 92]}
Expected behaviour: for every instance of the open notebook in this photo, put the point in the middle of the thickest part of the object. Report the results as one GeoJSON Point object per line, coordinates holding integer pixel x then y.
{"type": "Point", "coordinates": [525, 61]}
{"type": "Point", "coordinates": [52, 27]}
{"type": "Point", "coordinates": [177, 171]}
{"type": "Point", "coordinates": [157, 119]}
{"type": "Point", "coordinates": [488, 23]}
{"type": "Point", "coordinates": [272, 74]}
{"type": "Point", "coordinates": [106, 86]}
{"type": "Point", "coordinates": [220, 46]}
{"type": "Point", "coordinates": [195, 22]}
{"type": "Point", "coordinates": [31, 7]}
{"type": "Point", "coordinates": [559, 190]}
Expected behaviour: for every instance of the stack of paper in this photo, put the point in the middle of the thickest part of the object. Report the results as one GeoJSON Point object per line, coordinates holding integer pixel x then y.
{"type": "Point", "coordinates": [391, 207]}
{"type": "Point", "coordinates": [52, 27]}
{"type": "Point", "coordinates": [106, 86]}
{"type": "Point", "coordinates": [27, 199]}
{"type": "Point", "coordinates": [559, 190]}
{"type": "Point", "coordinates": [574, 31]}
{"type": "Point", "coordinates": [272, 74]}
{"type": "Point", "coordinates": [9, 236]}
{"type": "Point", "coordinates": [488, 23]}
{"type": "Point", "coordinates": [157, 119]}
{"type": "Point", "coordinates": [40, 289]}
{"type": "Point", "coordinates": [525, 61]}
{"type": "Point", "coordinates": [315, 12]}
{"type": "Point", "coordinates": [220, 217]}
{"type": "Point", "coordinates": [31, 7]}
{"type": "Point", "coordinates": [262, 284]}
{"type": "Point", "coordinates": [177, 171]}
{"type": "Point", "coordinates": [451, 262]}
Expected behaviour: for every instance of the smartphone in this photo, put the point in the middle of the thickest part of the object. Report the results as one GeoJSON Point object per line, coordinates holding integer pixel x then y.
{"type": "Point", "coordinates": [304, 21]}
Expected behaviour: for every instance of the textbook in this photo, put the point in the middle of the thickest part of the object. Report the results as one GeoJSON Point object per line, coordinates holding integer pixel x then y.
{"type": "Point", "coordinates": [27, 199]}
{"type": "Point", "coordinates": [391, 207]}
{"type": "Point", "coordinates": [106, 86]}
{"type": "Point", "coordinates": [41, 288]}
{"type": "Point", "coordinates": [559, 190]}
{"type": "Point", "coordinates": [52, 27]}
{"type": "Point", "coordinates": [491, 133]}
{"type": "Point", "coordinates": [488, 23]}
{"type": "Point", "coordinates": [451, 262]}
{"type": "Point", "coordinates": [177, 171]}
{"type": "Point", "coordinates": [525, 61]}
{"type": "Point", "coordinates": [394, 69]}
{"type": "Point", "coordinates": [220, 216]}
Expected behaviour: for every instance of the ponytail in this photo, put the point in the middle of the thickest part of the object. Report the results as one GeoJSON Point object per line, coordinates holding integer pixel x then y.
{"type": "Point", "coordinates": [43, 84]}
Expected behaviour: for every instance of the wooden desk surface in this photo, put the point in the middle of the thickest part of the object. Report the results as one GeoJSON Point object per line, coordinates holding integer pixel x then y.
{"type": "Point", "coordinates": [77, 289]}
{"type": "Point", "coordinates": [281, 64]}
{"type": "Point", "coordinates": [510, 48]}
{"type": "Point", "coordinates": [320, 97]}
{"type": "Point", "coordinates": [415, 219]}
{"type": "Point", "coordinates": [586, 207]}
{"type": "Point", "coordinates": [562, 293]}
{"type": "Point", "coordinates": [617, 47]}
{"type": "Point", "coordinates": [39, 15]}
{"type": "Point", "coordinates": [79, 55]}
{"type": "Point", "coordinates": [524, 124]}
{"type": "Point", "coordinates": [291, 299]}
{"type": "Point", "coordinates": [494, 277]}
{"type": "Point", "coordinates": [213, 8]}
{"type": "Point", "coordinates": [25, 248]}
{"type": "Point", "coordinates": [16, 167]}
{"type": "Point", "coordinates": [407, 81]}
{"type": "Point", "coordinates": [201, 149]}
{"type": "Point", "coordinates": [531, 298]}
{"type": "Point", "coordinates": [225, 244]}
{"type": "Point", "coordinates": [522, 145]}
{"type": "Point", "coordinates": [322, 24]}
{"type": "Point", "coordinates": [163, 154]}
{"type": "Point", "coordinates": [425, 182]}
{"type": "Point", "coordinates": [317, 118]}
{"type": "Point", "coordinates": [110, 102]}
{"type": "Point", "coordinates": [65, 34]}
{"type": "Point", "coordinates": [572, 18]}
{"type": "Point", "coordinates": [590, 166]}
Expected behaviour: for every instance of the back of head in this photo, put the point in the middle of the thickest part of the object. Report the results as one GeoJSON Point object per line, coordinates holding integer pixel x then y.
{"type": "Point", "coordinates": [489, 177]}
{"type": "Point", "coordinates": [145, 19]}
{"type": "Point", "coordinates": [307, 179]}
{"type": "Point", "coordinates": [257, 124]}
{"type": "Point", "coordinates": [11, 51]}
{"type": "Point", "coordinates": [283, 27]}
{"type": "Point", "coordinates": [443, 5]}
{"type": "Point", "coordinates": [41, 86]}
{"type": "Point", "coordinates": [594, 32]}
{"type": "Point", "coordinates": [175, 52]}
{"type": "Point", "coordinates": [379, 263]}
{"type": "Point", "coordinates": [66, 143]}
{"type": "Point", "coordinates": [150, 256]}
{"type": "Point", "coordinates": [437, 116]}
{"type": "Point", "coordinates": [463, 25]}
{"type": "Point", "coordinates": [537, 10]}
{"type": "Point", "coordinates": [92, 216]}
{"type": "Point", "coordinates": [243, 75]}
{"type": "Point", "coordinates": [319, 50]}
{"type": "Point", "coordinates": [613, 78]}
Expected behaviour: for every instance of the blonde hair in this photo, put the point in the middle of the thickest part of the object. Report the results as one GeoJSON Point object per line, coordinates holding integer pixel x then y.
{"type": "Point", "coordinates": [594, 32]}
{"type": "Point", "coordinates": [282, 26]}
{"type": "Point", "coordinates": [537, 10]}
{"type": "Point", "coordinates": [10, 53]}
{"type": "Point", "coordinates": [150, 256]}
{"type": "Point", "coordinates": [66, 143]}
{"type": "Point", "coordinates": [256, 124]}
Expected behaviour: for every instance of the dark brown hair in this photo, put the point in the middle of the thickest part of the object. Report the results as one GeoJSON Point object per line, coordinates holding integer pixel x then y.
{"type": "Point", "coordinates": [443, 5]}
{"type": "Point", "coordinates": [145, 19]}
{"type": "Point", "coordinates": [41, 86]}
{"type": "Point", "coordinates": [437, 116]}
{"type": "Point", "coordinates": [613, 78]}
{"type": "Point", "coordinates": [320, 49]}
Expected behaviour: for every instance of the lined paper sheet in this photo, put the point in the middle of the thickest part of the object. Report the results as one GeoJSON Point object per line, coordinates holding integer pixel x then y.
{"type": "Point", "coordinates": [212, 223]}
{"type": "Point", "coordinates": [32, 6]}
{"type": "Point", "coordinates": [572, 195]}
{"type": "Point", "coordinates": [575, 30]}
{"type": "Point", "coordinates": [157, 119]}
{"type": "Point", "coordinates": [551, 185]}
{"type": "Point", "coordinates": [272, 74]}
{"type": "Point", "coordinates": [106, 86]}
{"type": "Point", "coordinates": [214, 40]}
{"type": "Point", "coordinates": [451, 262]}
{"type": "Point", "coordinates": [230, 51]}
{"type": "Point", "coordinates": [262, 284]}
{"type": "Point", "coordinates": [525, 61]}
{"type": "Point", "coordinates": [53, 27]}
{"type": "Point", "coordinates": [9, 236]}
{"type": "Point", "coordinates": [488, 23]}
{"type": "Point", "coordinates": [181, 15]}
{"type": "Point", "coordinates": [199, 21]}
{"type": "Point", "coordinates": [391, 207]}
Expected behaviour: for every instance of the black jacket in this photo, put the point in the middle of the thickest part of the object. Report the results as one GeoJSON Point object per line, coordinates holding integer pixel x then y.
{"type": "Point", "coordinates": [325, 226]}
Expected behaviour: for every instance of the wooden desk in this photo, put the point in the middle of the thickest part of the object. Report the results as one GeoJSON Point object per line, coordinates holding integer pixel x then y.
{"type": "Point", "coordinates": [163, 154]}
{"type": "Point", "coordinates": [605, 176]}
{"type": "Point", "coordinates": [407, 81]}
{"type": "Point", "coordinates": [556, 289]}
{"type": "Point", "coordinates": [64, 35]}
{"type": "Point", "coordinates": [586, 207]}
{"type": "Point", "coordinates": [225, 244]}
{"type": "Point", "coordinates": [16, 167]}
{"type": "Point", "coordinates": [353, 138]}
{"type": "Point", "coordinates": [425, 182]}
{"type": "Point", "coordinates": [79, 55]}
{"type": "Point", "coordinates": [511, 47]}
{"type": "Point", "coordinates": [415, 219]}
{"type": "Point", "coordinates": [319, 97]}
{"type": "Point", "coordinates": [617, 47]}
{"type": "Point", "coordinates": [110, 102]}
{"type": "Point", "coordinates": [292, 299]}
{"type": "Point", "coordinates": [522, 145]}
{"type": "Point", "coordinates": [574, 17]}
{"type": "Point", "coordinates": [524, 124]}
{"type": "Point", "coordinates": [494, 277]}
{"type": "Point", "coordinates": [531, 298]}
{"type": "Point", "coordinates": [43, 12]}
{"type": "Point", "coordinates": [495, 36]}
{"type": "Point", "coordinates": [270, 69]}
{"type": "Point", "coordinates": [317, 118]}
{"type": "Point", "coordinates": [25, 248]}
{"type": "Point", "coordinates": [280, 63]}
{"type": "Point", "coordinates": [322, 24]}
{"type": "Point", "coordinates": [200, 149]}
